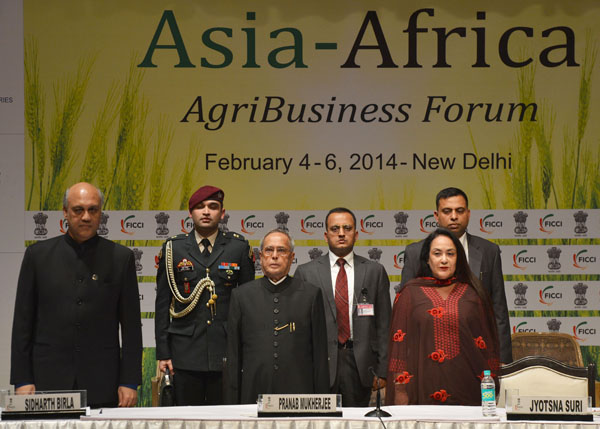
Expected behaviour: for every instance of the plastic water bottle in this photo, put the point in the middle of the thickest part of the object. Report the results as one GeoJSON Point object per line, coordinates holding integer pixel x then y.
{"type": "Point", "coordinates": [488, 394]}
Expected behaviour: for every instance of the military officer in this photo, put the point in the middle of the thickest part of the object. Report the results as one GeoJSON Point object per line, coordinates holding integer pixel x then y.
{"type": "Point", "coordinates": [196, 274]}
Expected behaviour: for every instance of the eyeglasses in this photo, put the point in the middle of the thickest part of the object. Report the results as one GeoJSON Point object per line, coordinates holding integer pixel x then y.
{"type": "Point", "coordinates": [268, 251]}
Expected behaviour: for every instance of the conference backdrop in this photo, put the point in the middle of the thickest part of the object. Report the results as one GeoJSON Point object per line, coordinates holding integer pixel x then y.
{"type": "Point", "coordinates": [297, 107]}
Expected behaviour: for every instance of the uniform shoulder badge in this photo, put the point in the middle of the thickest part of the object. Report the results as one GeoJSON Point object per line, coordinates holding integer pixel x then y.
{"type": "Point", "coordinates": [173, 238]}
{"type": "Point", "coordinates": [235, 235]}
{"type": "Point", "coordinates": [178, 237]}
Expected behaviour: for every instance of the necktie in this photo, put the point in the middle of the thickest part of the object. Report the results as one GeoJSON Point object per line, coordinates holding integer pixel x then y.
{"type": "Point", "coordinates": [206, 243]}
{"type": "Point", "coordinates": [341, 303]}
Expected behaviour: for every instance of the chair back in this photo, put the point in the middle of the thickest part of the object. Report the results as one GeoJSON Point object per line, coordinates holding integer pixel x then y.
{"type": "Point", "coordinates": [562, 347]}
{"type": "Point", "coordinates": [543, 376]}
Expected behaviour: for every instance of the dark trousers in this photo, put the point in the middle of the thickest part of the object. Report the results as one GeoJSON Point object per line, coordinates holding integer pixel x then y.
{"type": "Point", "coordinates": [198, 387]}
{"type": "Point", "coordinates": [347, 381]}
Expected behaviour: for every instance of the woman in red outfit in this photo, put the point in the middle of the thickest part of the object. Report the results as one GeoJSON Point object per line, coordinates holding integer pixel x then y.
{"type": "Point", "coordinates": [443, 333]}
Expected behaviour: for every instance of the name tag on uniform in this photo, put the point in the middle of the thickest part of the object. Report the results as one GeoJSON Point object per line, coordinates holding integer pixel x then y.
{"type": "Point", "coordinates": [365, 309]}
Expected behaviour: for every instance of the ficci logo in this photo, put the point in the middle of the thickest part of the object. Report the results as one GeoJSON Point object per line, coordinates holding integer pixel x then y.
{"type": "Point", "coordinates": [546, 222]}
{"type": "Point", "coordinates": [187, 225]}
{"type": "Point", "coordinates": [520, 258]}
{"type": "Point", "coordinates": [308, 223]}
{"type": "Point", "coordinates": [249, 223]}
{"type": "Point", "coordinates": [580, 258]}
{"type": "Point", "coordinates": [369, 222]}
{"type": "Point", "coordinates": [520, 328]}
{"type": "Point", "coordinates": [547, 293]}
{"type": "Point", "coordinates": [128, 223]}
{"type": "Point", "coordinates": [580, 329]}
{"type": "Point", "coordinates": [428, 224]}
{"type": "Point", "coordinates": [64, 225]}
{"type": "Point", "coordinates": [399, 260]}
{"type": "Point", "coordinates": [486, 222]}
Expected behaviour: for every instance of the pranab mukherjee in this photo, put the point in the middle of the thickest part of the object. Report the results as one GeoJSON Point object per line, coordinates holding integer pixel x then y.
{"type": "Point", "coordinates": [277, 337]}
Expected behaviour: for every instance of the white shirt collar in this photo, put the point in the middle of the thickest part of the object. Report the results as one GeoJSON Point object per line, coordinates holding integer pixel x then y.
{"type": "Point", "coordinates": [279, 281]}
{"type": "Point", "coordinates": [349, 258]}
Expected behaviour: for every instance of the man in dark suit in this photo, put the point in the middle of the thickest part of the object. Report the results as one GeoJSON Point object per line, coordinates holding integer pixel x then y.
{"type": "Point", "coordinates": [357, 311]}
{"type": "Point", "coordinates": [484, 259]}
{"type": "Point", "coordinates": [74, 293]}
{"type": "Point", "coordinates": [195, 277]}
{"type": "Point", "coordinates": [277, 340]}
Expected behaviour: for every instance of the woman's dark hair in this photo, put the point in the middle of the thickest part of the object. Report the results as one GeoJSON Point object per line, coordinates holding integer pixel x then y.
{"type": "Point", "coordinates": [462, 271]}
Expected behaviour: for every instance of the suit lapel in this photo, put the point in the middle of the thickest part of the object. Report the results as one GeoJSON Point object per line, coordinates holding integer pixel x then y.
{"type": "Point", "coordinates": [324, 272]}
{"type": "Point", "coordinates": [359, 279]}
{"type": "Point", "coordinates": [475, 257]}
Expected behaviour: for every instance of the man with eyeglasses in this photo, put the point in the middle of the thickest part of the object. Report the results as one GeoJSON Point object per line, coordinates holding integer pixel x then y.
{"type": "Point", "coordinates": [77, 313]}
{"type": "Point", "coordinates": [196, 275]}
{"type": "Point", "coordinates": [452, 212]}
{"type": "Point", "coordinates": [276, 330]}
{"type": "Point", "coordinates": [357, 311]}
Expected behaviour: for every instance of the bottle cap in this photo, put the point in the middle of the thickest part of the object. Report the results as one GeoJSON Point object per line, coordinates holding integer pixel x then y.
{"type": "Point", "coordinates": [486, 372]}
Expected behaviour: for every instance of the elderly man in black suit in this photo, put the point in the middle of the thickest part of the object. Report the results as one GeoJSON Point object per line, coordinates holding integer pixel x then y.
{"type": "Point", "coordinates": [277, 339]}
{"type": "Point", "coordinates": [75, 292]}
{"type": "Point", "coordinates": [357, 310]}
{"type": "Point", "coordinates": [484, 259]}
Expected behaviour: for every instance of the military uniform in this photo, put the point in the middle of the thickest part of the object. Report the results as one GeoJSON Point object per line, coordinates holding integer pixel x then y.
{"type": "Point", "coordinates": [196, 342]}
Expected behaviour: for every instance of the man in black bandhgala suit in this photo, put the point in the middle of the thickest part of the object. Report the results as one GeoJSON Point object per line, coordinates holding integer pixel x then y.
{"type": "Point", "coordinates": [75, 292]}
{"type": "Point", "coordinates": [277, 339]}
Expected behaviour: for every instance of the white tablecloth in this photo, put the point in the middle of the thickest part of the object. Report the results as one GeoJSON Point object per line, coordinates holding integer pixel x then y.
{"type": "Point", "coordinates": [244, 417]}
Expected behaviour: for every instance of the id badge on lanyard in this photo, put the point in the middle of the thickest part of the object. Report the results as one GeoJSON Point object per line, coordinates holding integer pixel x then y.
{"type": "Point", "coordinates": [364, 308]}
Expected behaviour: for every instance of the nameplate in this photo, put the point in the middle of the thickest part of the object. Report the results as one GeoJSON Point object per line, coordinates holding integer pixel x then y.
{"type": "Point", "coordinates": [43, 402]}
{"type": "Point", "coordinates": [271, 405]}
{"type": "Point", "coordinates": [549, 408]}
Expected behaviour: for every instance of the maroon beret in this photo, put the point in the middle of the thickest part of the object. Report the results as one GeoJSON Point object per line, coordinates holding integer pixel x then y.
{"type": "Point", "coordinates": [206, 193]}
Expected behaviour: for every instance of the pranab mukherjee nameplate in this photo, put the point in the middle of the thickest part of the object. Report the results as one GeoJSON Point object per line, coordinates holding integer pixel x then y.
{"type": "Point", "coordinates": [271, 405]}
{"type": "Point", "coordinates": [549, 408]}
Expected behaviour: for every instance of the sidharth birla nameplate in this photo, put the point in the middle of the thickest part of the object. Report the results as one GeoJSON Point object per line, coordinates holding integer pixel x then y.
{"type": "Point", "coordinates": [43, 402]}
{"type": "Point", "coordinates": [299, 404]}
